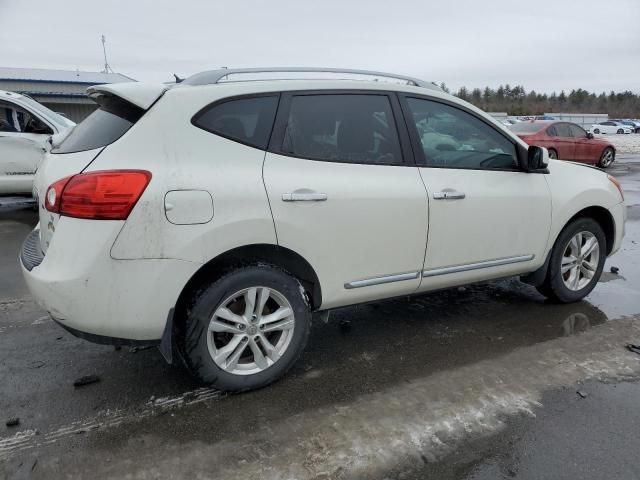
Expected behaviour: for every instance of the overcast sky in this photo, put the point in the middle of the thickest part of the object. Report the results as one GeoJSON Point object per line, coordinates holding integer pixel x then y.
{"type": "Point", "coordinates": [546, 46]}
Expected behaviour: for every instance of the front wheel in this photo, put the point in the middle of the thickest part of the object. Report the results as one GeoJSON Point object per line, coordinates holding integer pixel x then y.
{"type": "Point", "coordinates": [596, 131]}
{"type": "Point", "coordinates": [606, 158]}
{"type": "Point", "coordinates": [247, 329]}
{"type": "Point", "coordinates": [576, 262]}
{"type": "Point", "coordinates": [620, 131]}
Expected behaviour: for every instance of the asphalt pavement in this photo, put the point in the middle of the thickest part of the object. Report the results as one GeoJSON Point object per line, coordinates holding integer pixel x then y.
{"type": "Point", "coordinates": [481, 382]}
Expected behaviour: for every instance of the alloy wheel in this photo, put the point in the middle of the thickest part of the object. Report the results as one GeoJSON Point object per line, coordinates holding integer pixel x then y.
{"type": "Point", "coordinates": [580, 260]}
{"type": "Point", "coordinates": [607, 158]}
{"type": "Point", "coordinates": [250, 330]}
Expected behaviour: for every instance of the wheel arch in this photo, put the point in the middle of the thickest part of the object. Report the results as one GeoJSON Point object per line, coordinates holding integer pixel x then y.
{"type": "Point", "coordinates": [282, 257]}
{"type": "Point", "coordinates": [604, 219]}
{"type": "Point", "coordinates": [601, 215]}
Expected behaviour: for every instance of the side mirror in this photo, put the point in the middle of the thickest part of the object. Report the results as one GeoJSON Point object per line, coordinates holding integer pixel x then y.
{"type": "Point", "coordinates": [589, 135]}
{"type": "Point", "coordinates": [537, 158]}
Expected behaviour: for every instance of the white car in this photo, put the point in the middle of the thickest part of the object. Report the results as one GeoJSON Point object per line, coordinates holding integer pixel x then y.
{"type": "Point", "coordinates": [25, 129]}
{"type": "Point", "coordinates": [213, 217]}
{"type": "Point", "coordinates": [610, 127]}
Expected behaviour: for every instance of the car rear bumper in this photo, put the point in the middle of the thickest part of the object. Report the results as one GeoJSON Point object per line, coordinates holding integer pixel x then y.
{"type": "Point", "coordinates": [95, 296]}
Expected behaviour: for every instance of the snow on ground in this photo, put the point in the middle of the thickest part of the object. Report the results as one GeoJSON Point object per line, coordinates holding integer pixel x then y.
{"type": "Point", "coordinates": [625, 144]}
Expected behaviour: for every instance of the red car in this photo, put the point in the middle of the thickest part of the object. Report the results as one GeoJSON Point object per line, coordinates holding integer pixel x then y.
{"type": "Point", "coordinates": [566, 141]}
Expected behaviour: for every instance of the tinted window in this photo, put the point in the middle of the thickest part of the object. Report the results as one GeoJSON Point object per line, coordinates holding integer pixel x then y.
{"type": "Point", "coordinates": [562, 130]}
{"type": "Point", "coordinates": [577, 132]}
{"type": "Point", "coordinates": [526, 127]}
{"type": "Point", "coordinates": [103, 127]}
{"type": "Point", "coordinates": [456, 139]}
{"type": "Point", "coordinates": [342, 128]}
{"type": "Point", "coordinates": [247, 120]}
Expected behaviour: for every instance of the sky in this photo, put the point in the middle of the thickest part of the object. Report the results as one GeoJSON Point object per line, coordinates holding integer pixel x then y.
{"type": "Point", "coordinates": [546, 46]}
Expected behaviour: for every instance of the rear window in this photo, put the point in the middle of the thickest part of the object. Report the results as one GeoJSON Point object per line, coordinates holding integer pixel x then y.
{"type": "Point", "coordinates": [103, 127]}
{"type": "Point", "coordinates": [245, 120]}
{"type": "Point", "coordinates": [526, 127]}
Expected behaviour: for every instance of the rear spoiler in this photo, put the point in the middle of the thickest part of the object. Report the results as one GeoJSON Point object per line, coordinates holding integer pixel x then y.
{"type": "Point", "coordinates": [142, 95]}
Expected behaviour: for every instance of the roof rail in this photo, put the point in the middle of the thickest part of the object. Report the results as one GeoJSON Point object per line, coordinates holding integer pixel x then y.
{"type": "Point", "coordinates": [215, 76]}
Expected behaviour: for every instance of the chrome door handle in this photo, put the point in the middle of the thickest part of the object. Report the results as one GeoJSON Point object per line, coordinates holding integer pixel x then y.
{"type": "Point", "coordinates": [304, 197]}
{"type": "Point", "coordinates": [448, 195]}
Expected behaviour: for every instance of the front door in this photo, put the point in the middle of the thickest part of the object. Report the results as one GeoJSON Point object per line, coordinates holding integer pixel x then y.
{"type": "Point", "coordinates": [487, 218]}
{"type": "Point", "coordinates": [585, 150]}
{"type": "Point", "coordinates": [345, 196]}
{"type": "Point", "coordinates": [23, 138]}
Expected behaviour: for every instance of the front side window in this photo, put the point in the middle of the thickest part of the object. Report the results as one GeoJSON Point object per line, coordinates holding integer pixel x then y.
{"type": "Point", "coordinates": [453, 138]}
{"type": "Point", "coordinates": [351, 128]}
{"type": "Point", "coordinates": [577, 131]}
{"type": "Point", "coordinates": [246, 120]}
{"type": "Point", "coordinates": [562, 130]}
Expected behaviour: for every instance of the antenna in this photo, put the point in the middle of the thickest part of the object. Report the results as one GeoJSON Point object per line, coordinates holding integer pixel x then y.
{"type": "Point", "coordinates": [107, 67]}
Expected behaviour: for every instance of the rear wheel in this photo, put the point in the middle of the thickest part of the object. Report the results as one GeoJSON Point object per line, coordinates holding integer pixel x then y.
{"type": "Point", "coordinates": [246, 329]}
{"type": "Point", "coordinates": [606, 158]}
{"type": "Point", "coordinates": [620, 131]}
{"type": "Point", "coordinates": [596, 131]}
{"type": "Point", "coordinates": [553, 153]}
{"type": "Point", "coordinates": [576, 262]}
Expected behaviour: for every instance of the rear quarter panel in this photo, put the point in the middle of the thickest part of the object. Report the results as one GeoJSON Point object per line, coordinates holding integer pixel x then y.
{"type": "Point", "coordinates": [181, 156]}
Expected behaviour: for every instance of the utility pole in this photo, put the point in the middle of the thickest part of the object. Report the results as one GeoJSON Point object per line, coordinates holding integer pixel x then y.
{"type": "Point", "coordinates": [107, 67]}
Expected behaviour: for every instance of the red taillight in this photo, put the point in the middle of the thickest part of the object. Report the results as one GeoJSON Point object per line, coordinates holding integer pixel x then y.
{"type": "Point", "coordinates": [101, 195]}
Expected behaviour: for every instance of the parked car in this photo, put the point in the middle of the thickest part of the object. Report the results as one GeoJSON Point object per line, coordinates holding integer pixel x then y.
{"type": "Point", "coordinates": [632, 124]}
{"type": "Point", "coordinates": [212, 218]}
{"type": "Point", "coordinates": [566, 141]}
{"type": "Point", "coordinates": [610, 127]}
{"type": "Point", "coordinates": [25, 127]}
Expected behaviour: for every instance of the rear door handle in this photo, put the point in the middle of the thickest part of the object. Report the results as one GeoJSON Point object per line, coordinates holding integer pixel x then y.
{"type": "Point", "coordinates": [304, 197]}
{"type": "Point", "coordinates": [448, 195]}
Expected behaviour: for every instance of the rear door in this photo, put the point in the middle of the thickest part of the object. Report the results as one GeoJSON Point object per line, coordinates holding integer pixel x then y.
{"type": "Point", "coordinates": [487, 218]}
{"type": "Point", "coordinates": [346, 195]}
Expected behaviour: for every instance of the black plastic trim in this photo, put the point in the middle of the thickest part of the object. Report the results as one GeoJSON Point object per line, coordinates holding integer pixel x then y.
{"type": "Point", "coordinates": [105, 340]}
{"type": "Point", "coordinates": [31, 251]}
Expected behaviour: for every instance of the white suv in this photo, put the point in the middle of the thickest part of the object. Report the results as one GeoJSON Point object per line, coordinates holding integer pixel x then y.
{"type": "Point", "coordinates": [213, 217]}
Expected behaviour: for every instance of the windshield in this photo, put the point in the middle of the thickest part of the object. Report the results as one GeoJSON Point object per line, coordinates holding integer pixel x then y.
{"type": "Point", "coordinates": [47, 113]}
{"type": "Point", "coordinates": [526, 127]}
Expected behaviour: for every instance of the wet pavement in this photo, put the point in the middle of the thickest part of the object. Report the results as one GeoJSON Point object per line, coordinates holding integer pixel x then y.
{"type": "Point", "coordinates": [477, 382]}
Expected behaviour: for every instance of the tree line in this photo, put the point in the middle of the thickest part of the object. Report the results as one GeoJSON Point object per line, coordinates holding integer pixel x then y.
{"type": "Point", "coordinates": [517, 101]}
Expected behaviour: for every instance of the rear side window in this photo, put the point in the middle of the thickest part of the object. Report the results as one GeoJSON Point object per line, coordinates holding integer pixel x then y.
{"type": "Point", "coordinates": [342, 128]}
{"type": "Point", "coordinates": [103, 127]}
{"type": "Point", "coordinates": [246, 120]}
{"type": "Point", "coordinates": [562, 130]}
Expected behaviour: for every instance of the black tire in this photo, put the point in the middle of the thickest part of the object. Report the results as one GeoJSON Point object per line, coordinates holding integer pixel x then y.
{"type": "Point", "coordinates": [607, 158]}
{"type": "Point", "coordinates": [596, 131]}
{"type": "Point", "coordinates": [620, 131]}
{"type": "Point", "coordinates": [194, 347]}
{"type": "Point", "coordinates": [552, 153]}
{"type": "Point", "coordinates": [553, 286]}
